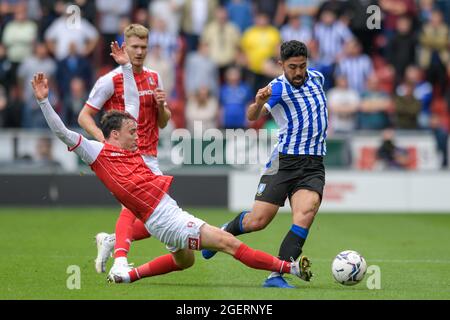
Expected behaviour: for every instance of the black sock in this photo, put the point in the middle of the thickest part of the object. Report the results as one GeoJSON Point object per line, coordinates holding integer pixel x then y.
{"type": "Point", "coordinates": [235, 226]}
{"type": "Point", "coordinates": [292, 245]}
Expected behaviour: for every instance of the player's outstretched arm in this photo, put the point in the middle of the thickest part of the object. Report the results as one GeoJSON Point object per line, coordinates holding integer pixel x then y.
{"type": "Point", "coordinates": [40, 88]}
{"type": "Point", "coordinates": [131, 94]}
{"type": "Point", "coordinates": [89, 150]}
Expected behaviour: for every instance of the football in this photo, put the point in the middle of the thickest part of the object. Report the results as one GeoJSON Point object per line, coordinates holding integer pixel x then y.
{"type": "Point", "coordinates": [349, 267]}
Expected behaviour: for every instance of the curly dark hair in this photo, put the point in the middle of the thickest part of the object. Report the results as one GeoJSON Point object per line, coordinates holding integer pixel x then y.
{"type": "Point", "coordinates": [293, 48]}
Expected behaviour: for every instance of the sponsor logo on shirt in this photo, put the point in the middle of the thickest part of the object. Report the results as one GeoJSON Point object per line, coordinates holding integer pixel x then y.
{"type": "Point", "coordinates": [194, 243]}
{"type": "Point", "coordinates": [116, 154]}
{"type": "Point", "coordinates": [146, 93]}
{"type": "Point", "coordinates": [142, 93]}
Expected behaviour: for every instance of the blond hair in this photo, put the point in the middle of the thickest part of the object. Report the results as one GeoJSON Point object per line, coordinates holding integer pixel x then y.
{"type": "Point", "coordinates": [136, 30]}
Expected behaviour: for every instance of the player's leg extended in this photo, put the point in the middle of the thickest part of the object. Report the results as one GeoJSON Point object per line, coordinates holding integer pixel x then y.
{"type": "Point", "coordinates": [175, 261]}
{"type": "Point", "coordinates": [248, 221]}
{"type": "Point", "coordinates": [304, 204]}
{"type": "Point", "coordinates": [220, 240]}
{"type": "Point", "coordinates": [261, 215]}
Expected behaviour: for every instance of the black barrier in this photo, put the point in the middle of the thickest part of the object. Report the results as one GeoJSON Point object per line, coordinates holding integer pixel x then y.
{"type": "Point", "coordinates": [87, 190]}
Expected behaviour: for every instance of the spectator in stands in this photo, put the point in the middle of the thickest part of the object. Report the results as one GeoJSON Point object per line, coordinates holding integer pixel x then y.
{"type": "Point", "coordinates": [7, 11]}
{"type": "Point", "coordinates": [434, 50]}
{"type": "Point", "coordinates": [44, 154]}
{"type": "Point", "coordinates": [392, 10]}
{"type": "Point", "coordinates": [50, 11]}
{"type": "Point", "coordinates": [169, 11]}
{"type": "Point", "coordinates": [203, 107]}
{"type": "Point", "coordinates": [273, 9]}
{"type": "Point", "coordinates": [337, 6]}
{"type": "Point", "coordinates": [40, 61]}
{"type": "Point", "coordinates": [74, 100]}
{"type": "Point", "coordinates": [109, 13]}
{"type": "Point", "coordinates": [259, 43]}
{"type": "Point", "coordinates": [343, 103]}
{"type": "Point", "coordinates": [235, 96]}
{"type": "Point", "coordinates": [425, 9]}
{"type": "Point", "coordinates": [423, 92]}
{"type": "Point", "coordinates": [6, 76]}
{"type": "Point", "coordinates": [88, 9]}
{"type": "Point", "coordinates": [355, 66]}
{"type": "Point", "coordinates": [160, 36]}
{"type": "Point", "coordinates": [123, 23]}
{"type": "Point", "coordinates": [441, 136]}
{"type": "Point", "coordinates": [402, 47]}
{"type": "Point", "coordinates": [355, 12]}
{"type": "Point", "coordinates": [18, 38]}
{"type": "Point", "coordinates": [61, 34]}
{"type": "Point", "coordinates": [306, 10]}
{"type": "Point", "coordinates": [375, 105]}
{"type": "Point", "coordinates": [12, 114]}
{"type": "Point", "coordinates": [196, 14]}
{"type": "Point", "coordinates": [331, 35]}
{"type": "Point", "coordinates": [223, 39]}
{"type": "Point", "coordinates": [389, 154]}
{"type": "Point", "coordinates": [295, 30]}
{"type": "Point", "coordinates": [200, 70]}
{"type": "Point", "coordinates": [142, 17]}
{"type": "Point", "coordinates": [240, 13]}
{"type": "Point", "coordinates": [157, 61]}
{"type": "Point", "coordinates": [74, 65]}
{"type": "Point", "coordinates": [444, 6]}
{"type": "Point", "coordinates": [406, 109]}
{"type": "Point", "coordinates": [3, 106]}
{"type": "Point", "coordinates": [447, 91]}
{"type": "Point", "coordinates": [314, 62]}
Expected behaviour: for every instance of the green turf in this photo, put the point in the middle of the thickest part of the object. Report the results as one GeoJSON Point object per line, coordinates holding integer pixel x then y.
{"type": "Point", "coordinates": [38, 245]}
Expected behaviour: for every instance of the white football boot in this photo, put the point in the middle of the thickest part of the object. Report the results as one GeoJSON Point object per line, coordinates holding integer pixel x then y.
{"type": "Point", "coordinates": [301, 268]}
{"type": "Point", "coordinates": [119, 271]}
{"type": "Point", "coordinates": [105, 247]}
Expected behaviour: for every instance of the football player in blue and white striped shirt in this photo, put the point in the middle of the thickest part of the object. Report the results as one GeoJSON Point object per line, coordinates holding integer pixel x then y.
{"type": "Point", "coordinates": [297, 102]}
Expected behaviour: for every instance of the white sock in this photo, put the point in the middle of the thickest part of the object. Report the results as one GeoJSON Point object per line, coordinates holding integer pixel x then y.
{"type": "Point", "coordinates": [273, 275]}
{"type": "Point", "coordinates": [121, 261]}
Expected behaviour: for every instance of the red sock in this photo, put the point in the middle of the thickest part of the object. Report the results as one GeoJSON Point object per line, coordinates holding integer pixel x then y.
{"type": "Point", "coordinates": [139, 231]}
{"type": "Point", "coordinates": [161, 265]}
{"type": "Point", "coordinates": [123, 233]}
{"type": "Point", "coordinates": [260, 260]}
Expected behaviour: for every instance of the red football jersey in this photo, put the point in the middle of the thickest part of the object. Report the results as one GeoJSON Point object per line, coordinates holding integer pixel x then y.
{"type": "Point", "coordinates": [129, 179]}
{"type": "Point", "coordinates": [108, 94]}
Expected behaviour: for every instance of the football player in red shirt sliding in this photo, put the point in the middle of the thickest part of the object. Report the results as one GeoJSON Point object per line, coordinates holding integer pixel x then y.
{"type": "Point", "coordinates": [119, 165]}
{"type": "Point", "coordinates": [107, 95]}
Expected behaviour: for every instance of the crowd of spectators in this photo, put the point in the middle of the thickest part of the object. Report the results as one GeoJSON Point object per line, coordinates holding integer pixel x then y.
{"type": "Point", "coordinates": [213, 56]}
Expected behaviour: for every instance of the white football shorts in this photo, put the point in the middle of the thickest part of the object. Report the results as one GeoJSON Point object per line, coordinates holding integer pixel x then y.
{"type": "Point", "coordinates": [174, 227]}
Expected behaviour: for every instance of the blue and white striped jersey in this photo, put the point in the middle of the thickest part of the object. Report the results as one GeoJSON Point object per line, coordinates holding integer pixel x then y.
{"type": "Point", "coordinates": [301, 115]}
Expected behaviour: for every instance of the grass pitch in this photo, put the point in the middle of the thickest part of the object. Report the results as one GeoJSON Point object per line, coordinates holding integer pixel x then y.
{"type": "Point", "coordinates": [39, 245]}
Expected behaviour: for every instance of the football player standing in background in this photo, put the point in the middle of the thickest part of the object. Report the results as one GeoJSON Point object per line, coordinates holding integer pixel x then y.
{"type": "Point", "coordinates": [108, 94]}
